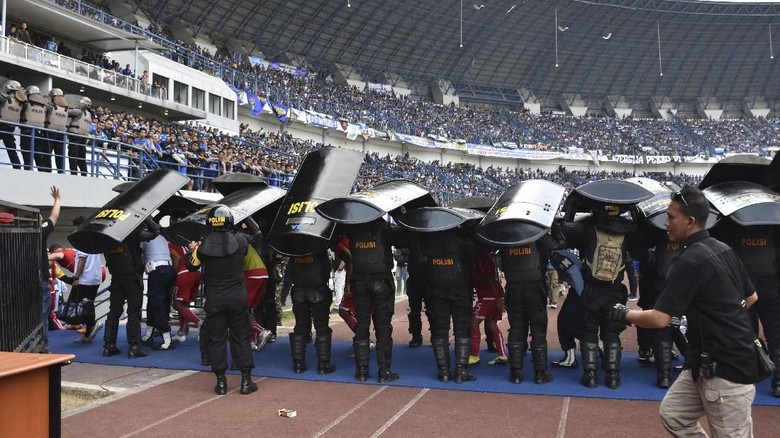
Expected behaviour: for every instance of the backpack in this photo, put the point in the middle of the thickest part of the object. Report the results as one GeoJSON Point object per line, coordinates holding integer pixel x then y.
{"type": "Point", "coordinates": [607, 261]}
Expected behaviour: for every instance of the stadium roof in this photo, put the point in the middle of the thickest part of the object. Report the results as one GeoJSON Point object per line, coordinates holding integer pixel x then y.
{"type": "Point", "coordinates": [631, 48]}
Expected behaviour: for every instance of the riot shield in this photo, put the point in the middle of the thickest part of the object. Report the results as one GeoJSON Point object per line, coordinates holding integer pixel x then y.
{"type": "Point", "coordinates": [110, 225]}
{"type": "Point", "coordinates": [654, 209]}
{"type": "Point", "coordinates": [232, 182]}
{"type": "Point", "coordinates": [481, 203]}
{"type": "Point", "coordinates": [772, 176]}
{"type": "Point", "coordinates": [299, 229]}
{"type": "Point", "coordinates": [605, 191]}
{"type": "Point", "coordinates": [522, 214]}
{"type": "Point", "coordinates": [746, 203]}
{"type": "Point", "coordinates": [369, 205]}
{"type": "Point", "coordinates": [430, 219]}
{"type": "Point", "coordinates": [261, 201]}
{"type": "Point", "coordinates": [749, 168]}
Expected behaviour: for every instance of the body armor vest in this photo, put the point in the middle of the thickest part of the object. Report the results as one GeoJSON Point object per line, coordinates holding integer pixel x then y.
{"type": "Point", "coordinates": [80, 124]}
{"type": "Point", "coordinates": [34, 111]}
{"type": "Point", "coordinates": [310, 270]}
{"type": "Point", "coordinates": [371, 254]}
{"type": "Point", "coordinates": [606, 263]}
{"type": "Point", "coordinates": [122, 260]}
{"type": "Point", "coordinates": [11, 110]}
{"type": "Point", "coordinates": [521, 264]}
{"type": "Point", "coordinates": [664, 253]}
{"type": "Point", "coordinates": [56, 117]}
{"type": "Point", "coordinates": [755, 247]}
{"type": "Point", "coordinates": [445, 259]}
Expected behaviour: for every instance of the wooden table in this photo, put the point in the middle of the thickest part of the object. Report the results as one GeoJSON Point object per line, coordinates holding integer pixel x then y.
{"type": "Point", "coordinates": [30, 394]}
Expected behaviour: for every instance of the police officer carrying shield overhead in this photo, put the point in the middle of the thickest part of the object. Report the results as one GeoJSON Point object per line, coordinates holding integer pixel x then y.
{"type": "Point", "coordinates": [371, 283]}
{"type": "Point", "coordinates": [221, 255]}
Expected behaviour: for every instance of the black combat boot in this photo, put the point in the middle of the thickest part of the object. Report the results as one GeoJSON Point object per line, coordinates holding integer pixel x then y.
{"type": "Point", "coordinates": [539, 356]}
{"type": "Point", "coordinates": [221, 388]}
{"type": "Point", "coordinates": [203, 343]}
{"type": "Point", "coordinates": [247, 385]}
{"type": "Point", "coordinates": [516, 355]}
{"type": "Point", "coordinates": [111, 350]}
{"type": "Point", "coordinates": [298, 352]}
{"type": "Point", "coordinates": [109, 342]}
{"type": "Point", "coordinates": [136, 352]}
{"type": "Point", "coordinates": [663, 364]}
{"type": "Point", "coordinates": [590, 356]}
{"type": "Point", "coordinates": [775, 355]}
{"type": "Point", "coordinates": [384, 357]}
{"type": "Point", "coordinates": [462, 351]}
{"type": "Point", "coordinates": [441, 354]}
{"type": "Point", "coordinates": [324, 365]}
{"type": "Point", "coordinates": [362, 353]}
{"type": "Point", "coordinates": [612, 364]}
{"type": "Point", "coordinates": [415, 329]}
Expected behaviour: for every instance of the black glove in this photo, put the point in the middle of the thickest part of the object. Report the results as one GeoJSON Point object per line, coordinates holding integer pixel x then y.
{"type": "Point", "coordinates": [619, 312]}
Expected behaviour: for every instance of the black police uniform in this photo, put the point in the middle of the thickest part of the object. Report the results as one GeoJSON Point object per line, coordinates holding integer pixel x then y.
{"type": "Point", "coordinates": [654, 263]}
{"type": "Point", "coordinates": [311, 298]}
{"type": "Point", "coordinates": [416, 287]}
{"type": "Point", "coordinates": [371, 283]}
{"type": "Point", "coordinates": [598, 296]}
{"type": "Point", "coordinates": [756, 246]}
{"type": "Point", "coordinates": [126, 265]}
{"type": "Point", "coordinates": [526, 305]}
{"type": "Point", "coordinates": [449, 297]}
{"type": "Point", "coordinates": [221, 255]}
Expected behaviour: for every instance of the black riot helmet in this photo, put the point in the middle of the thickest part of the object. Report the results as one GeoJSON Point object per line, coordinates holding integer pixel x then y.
{"type": "Point", "coordinates": [220, 218]}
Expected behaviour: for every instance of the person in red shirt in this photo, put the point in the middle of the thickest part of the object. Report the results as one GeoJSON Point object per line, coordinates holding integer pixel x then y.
{"type": "Point", "coordinates": [187, 287]}
{"type": "Point", "coordinates": [489, 307]}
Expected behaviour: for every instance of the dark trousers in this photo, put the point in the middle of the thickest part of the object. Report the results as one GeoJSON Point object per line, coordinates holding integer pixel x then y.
{"type": "Point", "coordinates": [449, 304]}
{"type": "Point", "coordinates": [158, 297]}
{"type": "Point", "coordinates": [228, 319]}
{"type": "Point", "coordinates": [77, 155]}
{"type": "Point", "coordinates": [526, 307]}
{"type": "Point", "coordinates": [125, 288]}
{"type": "Point", "coordinates": [378, 293]}
{"type": "Point", "coordinates": [598, 298]}
{"type": "Point", "coordinates": [267, 313]}
{"type": "Point", "coordinates": [89, 292]}
{"type": "Point", "coordinates": [571, 320]}
{"type": "Point", "coordinates": [767, 309]}
{"type": "Point", "coordinates": [415, 291]}
{"type": "Point", "coordinates": [56, 147]}
{"type": "Point", "coordinates": [9, 141]}
{"type": "Point", "coordinates": [311, 306]}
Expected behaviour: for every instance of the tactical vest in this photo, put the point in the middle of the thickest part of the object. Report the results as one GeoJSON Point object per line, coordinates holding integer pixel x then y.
{"type": "Point", "coordinates": [310, 270]}
{"type": "Point", "coordinates": [371, 253]}
{"type": "Point", "coordinates": [122, 261]}
{"type": "Point", "coordinates": [11, 110]}
{"type": "Point", "coordinates": [80, 124]}
{"type": "Point", "coordinates": [665, 252]}
{"type": "Point", "coordinates": [521, 263]}
{"type": "Point", "coordinates": [606, 263]}
{"type": "Point", "coordinates": [34, 111]}
{"type": "Point", "coordinates": [445, 259]}
{"type": "Point", "coordinates": [755, 247]}
{"type": "Point", "coordinates": [57, 117]}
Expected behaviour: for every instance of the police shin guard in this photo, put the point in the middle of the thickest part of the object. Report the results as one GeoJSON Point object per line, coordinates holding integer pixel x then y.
{"type": "Point", "coordinates": [775, 355]}
{"type": "Point", "coordinates": [590, 357]}
{"type": "Point", "coordinates": [324, 365]}
{"type": "Point", "coordinates": [362, 353]}
{"type": "Point", "coordinates": [298, 352]}
{"type": "Point", "coordinates": [462, 351]}
{"type": "Point", "coordinates": [663, 364]}
{"type": "Point", "coordinates": [539, 355]}
{"type": "Point", "coordinates": [221, 388]}
{"type": "Point", "coordinates": [516, 355]}
{"type": "Point", "coordinates": [247, 385]}
{"type": "Point", "coordinates": [203, 343]}
{"type": "Point", "coordinates": [441, 353]}
{"type": "Point", "coordinates": [612, 364]}
{"type": "Point", "coordinates": [384, 356]}
{"type": "Point", "coordinates": [109, 341]}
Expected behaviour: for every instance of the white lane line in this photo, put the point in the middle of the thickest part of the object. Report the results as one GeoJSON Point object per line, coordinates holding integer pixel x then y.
{"type": "Point", "coordinates": [183, 411]}
{"type": "Point", "coordinates": [120, 392]}
{"type": "Point", "coordinates": [564, 416]}
{"type": "Point", "coordinates": [399, 413]}
{"type": "Point", "coordinates": [349, 412]}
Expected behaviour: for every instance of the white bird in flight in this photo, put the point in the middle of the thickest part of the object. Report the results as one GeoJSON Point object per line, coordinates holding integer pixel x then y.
{"type": "Point", "coordinates": [607, 36]}
{"type": "Point", "coordinates": [478, 7]}
{"type": "Point", "coordinates": [563, 29]}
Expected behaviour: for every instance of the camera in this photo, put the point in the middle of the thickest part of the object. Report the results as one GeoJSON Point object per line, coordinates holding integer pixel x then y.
{"type": "Point", "coordinates": [706, 365]}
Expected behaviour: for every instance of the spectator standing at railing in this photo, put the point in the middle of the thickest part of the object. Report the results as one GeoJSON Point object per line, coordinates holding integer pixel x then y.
{"type": "Point", "coordinates": [12, 31]}
{"type": "Point", "coordinates": [23, 34]}
{"type": "Point", "coordinates": [51, 44]}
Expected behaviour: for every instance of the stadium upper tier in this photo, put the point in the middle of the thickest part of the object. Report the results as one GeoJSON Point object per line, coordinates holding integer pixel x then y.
{"type": "Point", "coordinates": [521, 50]}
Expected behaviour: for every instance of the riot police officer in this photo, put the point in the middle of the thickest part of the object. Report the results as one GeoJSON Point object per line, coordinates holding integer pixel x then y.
{"type": "Point", "coordinates": [221, 255]}
{"type": "Point", "coordinates": [600, 238]}
{"type": "Point", "coordinates": [449, 297]}
{"type": "Point", "coordinates": [34, 114]}
{"type": "Point", "coordinates": [416, 286]}
{"type": "Point", "coordinates": [371, 283]}
{"type": "Point", "coordinates": [79, 121]}
{"type": "Point", "coordinates": [526, 304]}
{"type": "Point", "coordinates": [56, 122]}
{"type": "Point", "coordinates": [11, 100]}
{"type": "Point", "coordinates": [311, 298]}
